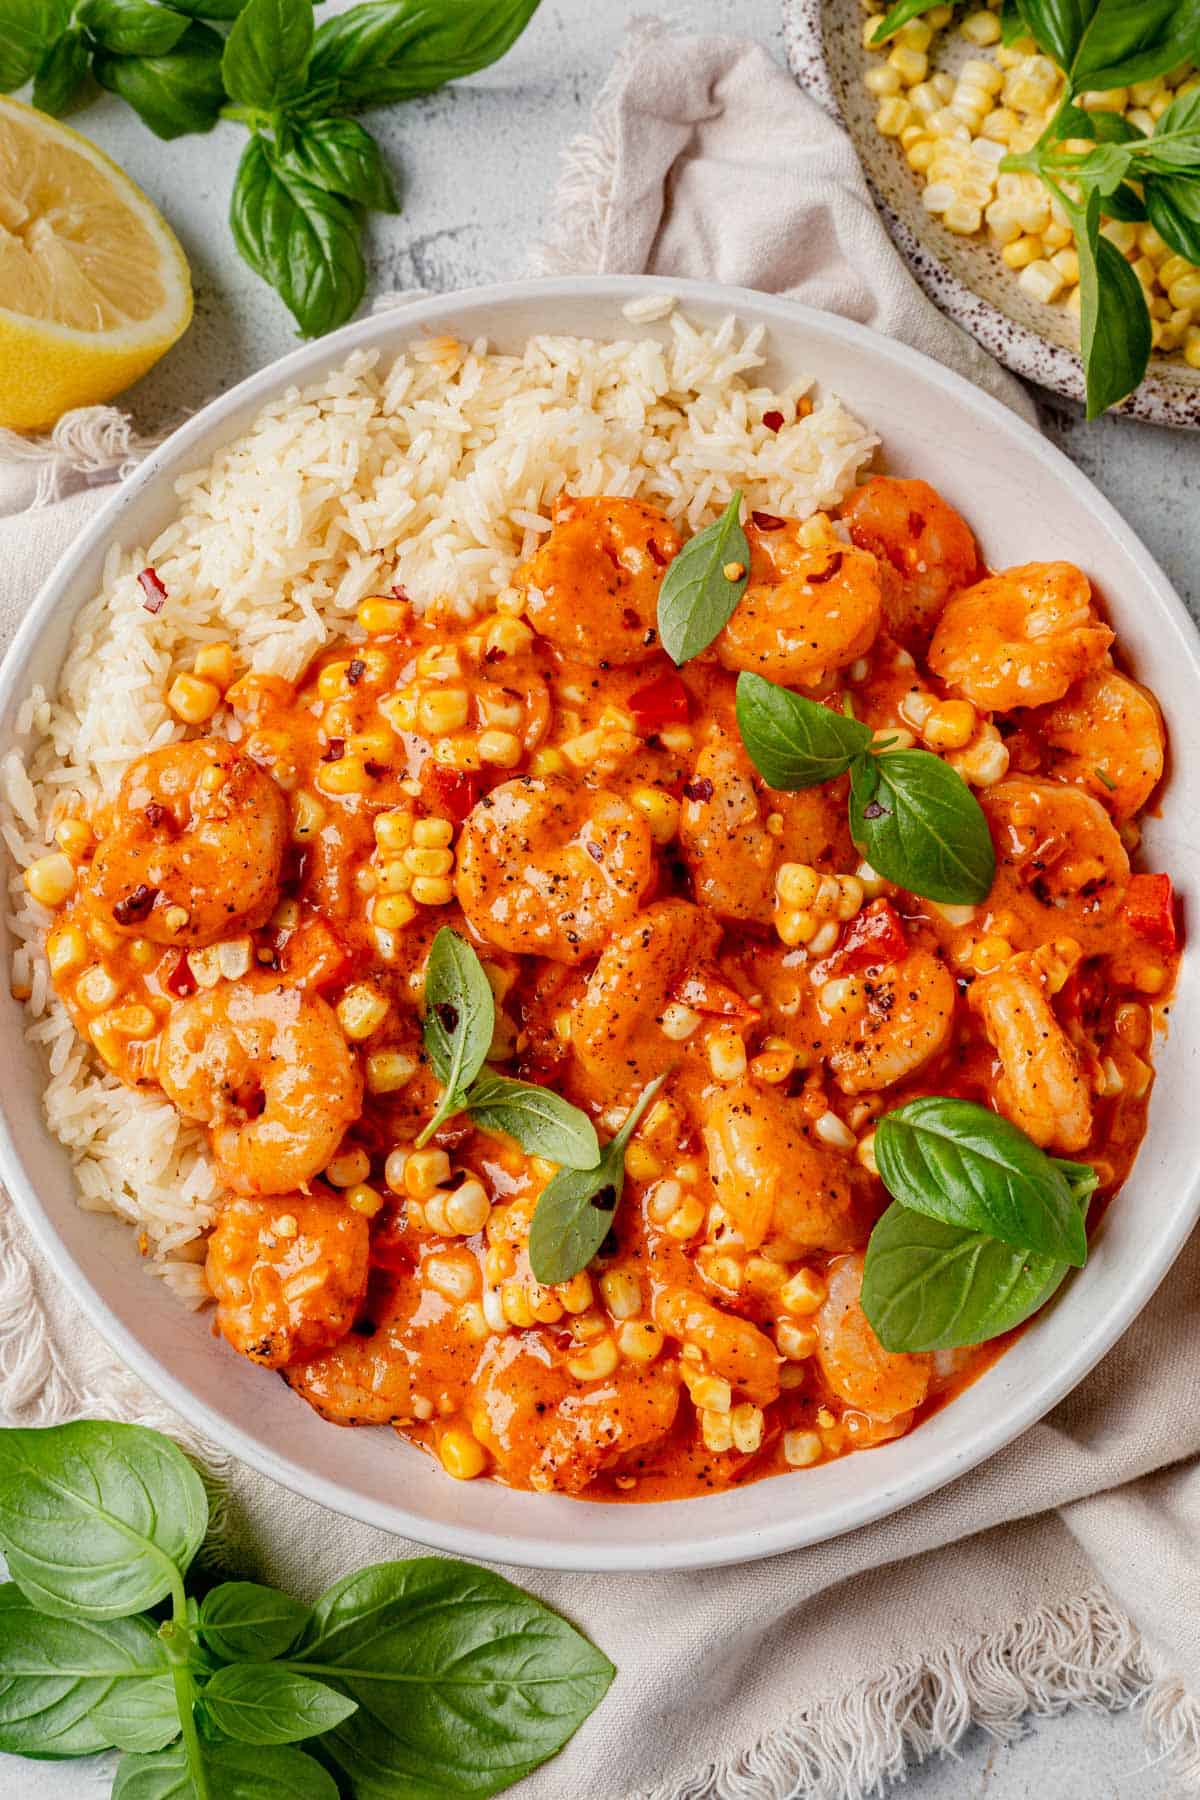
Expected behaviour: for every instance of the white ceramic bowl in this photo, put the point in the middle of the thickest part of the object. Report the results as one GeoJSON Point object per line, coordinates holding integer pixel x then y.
{"type": "Point", "coordinates": [1024, 500]}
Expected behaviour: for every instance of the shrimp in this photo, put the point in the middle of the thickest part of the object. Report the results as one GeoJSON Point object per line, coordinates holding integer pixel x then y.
{"type": "Point", "coordinates": [773, 1180]}
{"type": "Point", "coordinates": [288, 1274]}
{"type": "Point", "coordinates": [1019, 638]}
{"type": "Point", "coordinates": [548, 1432]}
{"type": "Point", "coordinates": [1061, 868]}
{"type": "Point", "coordinates": [366, 1379]}
{"type": "Point", "coordinates": [925, 551]}
{"type": "Point", "coordinates": [616, 1030]}
{"type": "Point", "coordinates": [724, 840]}
{"type": "Point", "coordinates": [907, 1019]}
{"type": "Point", "coordinates": [732, 1347]}
{"type": "Point", "coordinates": [592, 587]}
{"type": "Point", "coordinates": [1042, 1088]}
{"type": "Point", "coordinates": [196, 847]}
{"type": "Point", "coordinates": [549, 869]}
{"type": "Point", "coordinates": [812, 604]}
{"type": "Point", "coordinates": [1106, 735]}
{"type": "Point", "coordinates": [267, 1069]}
{"type": "Point", "coordinates": [884, 1384]}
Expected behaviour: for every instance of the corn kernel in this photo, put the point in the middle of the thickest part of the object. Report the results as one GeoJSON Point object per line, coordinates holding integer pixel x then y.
{"type": "Point", "coordinates": [910, 65]}
{"type": "Point", "coordinates": [428, 861]}
{"type": "Point", "coordinates": [747, 1423]}
{"type": "Point", "coordinates": [893, 115]}
{"type": "Point", "coordinates": [621, 1293]}
{"type": "Point", "coordinates": [679, 1022]}
{"type": "Point", "coordinates": [963, 218]}
{"type": "Point", "coordinates": [713, 1393]}
{"type": "Point", "coordinates": [949, 725]}
{"type": "Point", "coordinates": [576, 1294]}
{"type": "Point", "coordinates": [501, 748]}
{"type": "Point", "coordinates": [467, 1208]}
{"type": "Point", "coordinates": [454, 1276]}
{"type": "Point", "coordinates": [363, 1199]}
{"type": "Point", "coordinates": [1042, 281]}
{"type": "Point", "coordinates": [641, 1164]}
{"type": "Point", "coordinates": [346, 776]}
{"type": "Point", "coordinates": [595, 1363]}
{"type": "Point", "coordinates": [432, 890]}
{"type": "Point", "coordinates": [980, 28]}
{"type": "Point", "coordinates": [797, 884]}
{"type": "Point", "coordinates": [461, 1455]}
{"type": "Point", "coordinates": [361, 1011]}
{"type": "Point", "coordinates": [51, 879]}
{"type": "Point", "coordinates": [378, 614]}
{"type": "Point", "coordinates": [74, 837]}
{"type": "Point", "coordinates": [389, 1070]}
{"type": "Point", "coordinates": [443, 710]}
{"type": "Point", "coordinates": [427, 834]}
{"type": "Point", "coordinates": [67, 949]}
{"type": "Point", "coordinates": [96, 990]}
{"type": "Point", "coordinates": [881, 80]}
{"type": "Point", "coordinates": [639, 1341]}
{"type": "Point", "coordinates": [660, 811]}
{"type": "Point", "coordinates": [137, 1022]}
{"type": "Point", "coordinates": [801, 1449]}
{"type": "Point", "coordinates": [348, 1169]}
{"type": "Point", "coordinates": [216, 663]}
{"type": "Point", "coordinates": [424, 1172]}
{"type": "Point", "coordinates": [774, 1063]}
{"type": "Point", "coordinates": [686, 1220]}
{"type": "Point", "coordinates": [716, 1431]}
{"type": "Point", "coordinates": [794, 927]}
{"type": "Point", "coordinates": [1022, 252]}
{"type": "Point", "coordinates": [193, 700]}
{"type": "Point", "coordinates": [796, 1342]}
{"type": "Point", "coordinates": [804, 1293]}
{"type": "Point", "coordinates": [726, 1055]}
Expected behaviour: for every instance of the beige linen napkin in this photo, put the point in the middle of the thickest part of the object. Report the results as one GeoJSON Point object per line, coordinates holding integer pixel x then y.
{"type": "Point", "coordinates": [1064, 1571]}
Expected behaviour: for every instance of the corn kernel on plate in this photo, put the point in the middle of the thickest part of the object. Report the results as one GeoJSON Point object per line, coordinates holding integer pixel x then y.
{"type": "Point", "coordinates": [917, 420]}
{"type": "Point", "coordinates": [931, 115]}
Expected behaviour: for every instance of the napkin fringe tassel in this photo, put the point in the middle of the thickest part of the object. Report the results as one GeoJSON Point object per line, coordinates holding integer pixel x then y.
{"type": "Point", "coordinates": [1081, 1654]}
{"type": "Point", "coordinates": [89, 446]}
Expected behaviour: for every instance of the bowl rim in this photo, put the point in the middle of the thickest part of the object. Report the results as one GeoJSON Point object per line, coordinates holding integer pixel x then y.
{"type": "Point", "coordinates": [1157, 400]}
{"type": "Point", "coordinates": [789, 1530]}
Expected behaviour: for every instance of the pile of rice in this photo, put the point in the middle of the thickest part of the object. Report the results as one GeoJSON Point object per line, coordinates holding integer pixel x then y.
{"type": "Point", "coordinates": [436, 470]}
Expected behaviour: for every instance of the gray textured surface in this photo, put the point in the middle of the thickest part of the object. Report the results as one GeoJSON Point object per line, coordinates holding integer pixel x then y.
{"type": "Point", "coordinates": [478, 166]}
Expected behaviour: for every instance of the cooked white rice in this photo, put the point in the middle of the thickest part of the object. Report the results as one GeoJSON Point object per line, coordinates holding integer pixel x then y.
{"type": "Point", "coordinates": [436, 470]}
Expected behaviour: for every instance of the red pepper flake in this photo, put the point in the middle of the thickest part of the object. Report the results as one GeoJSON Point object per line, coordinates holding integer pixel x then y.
{"type": "Point", "coordinates": [662, 702]}
{"type": "Point", "coordinates": [829, 571]}
{"type": "Point", "coordinates": [156, 812]}
{"type": "Point", "coordinates": [136, 905]}
{"type": "Point", "coordinates": [593, 850]}
{"type": "Point", "coordinates": [334, 750]}
{"type": "Point", "coordinates": [698, 790]}
{"type": "Point", "coordinates": [356, 668]}
{"type": "Point", "coordinates": [155, 592]}
{"type": "Point", "coordinates": [451, 793]}
{"type": "Point", "coordinates": [803, 407]}
{"type": "Point", "coordinates": [875, 937]}
{"type": "Point", "coordinates": [1149, 909]}
{"type": "Point", "coordinates": [656, 555]}
{"type": "Point", "coordinates": [400, 593]}
{"type": "Point", "coordinates": [767, 521]}
{"type": "Point", "coordinates": [180, 982]}
{"type": "Point", "coordinates": [773, 421]}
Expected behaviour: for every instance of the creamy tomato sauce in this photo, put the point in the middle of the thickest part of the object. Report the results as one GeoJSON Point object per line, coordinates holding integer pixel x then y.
{"type": "Point", "coordinates": [251, 919]}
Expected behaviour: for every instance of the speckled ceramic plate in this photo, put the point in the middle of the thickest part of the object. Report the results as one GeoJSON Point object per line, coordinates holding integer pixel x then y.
{"type": "Point", "coordinates": [964, 276]}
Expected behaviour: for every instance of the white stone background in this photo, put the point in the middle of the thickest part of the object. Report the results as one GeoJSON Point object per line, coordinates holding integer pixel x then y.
{"type": "Point", "coordinates": [477, 164]}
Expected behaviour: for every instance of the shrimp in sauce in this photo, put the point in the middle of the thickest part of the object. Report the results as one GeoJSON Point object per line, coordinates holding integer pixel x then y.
{"type": "Point", "coordinates": [251, 925]}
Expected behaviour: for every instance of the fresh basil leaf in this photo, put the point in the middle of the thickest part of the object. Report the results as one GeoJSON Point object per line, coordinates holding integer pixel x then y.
{"type": "Point", "coordinates": [72, 1687]}
{"type": "Point", "coordinates": [28, 28]}
{"type": "Point", "coordinates": [1125, 203]}
{"type": "Point", "coordinates": [465, 1682]}
{"type": "Point", "coordinates": [958, 1162]}
{"type": "Point", "coordinates": [1133, 40]}
{"type": "Point", "coordinates": [1173, 208]}
{"type": "Point", "coordinates": [97, 1520]}
{"type": "Point", "coordinates": [132, 27]}
{"type": "Point", "coordinates": [932, 1286]}
{"type": "Point", "coordinates": [1114, 321]}
{"type": "Point", "coordinates": [899, 15]}
{"type": "Point", "coordinates": [207, 9]}
{"type": "Point", "coordinates": [575, 1209]}
{"type": "Point", "coordinates": [243, 1622]}
{"type": "Point", "coordinates": [1105, 168]}
{"type": "Point", "coordinates": [543, 1123]}
{"type": "Point", "coordinates": [339, 156]}
{"type": "Point", "coordinates": [1012, 23]}
{"type": "Point", "coordinates": [1081, 1178]}
{"type": "Point", "coordinates": [262, 1703]}
{"type": "Point", "coordinates": [266, 53]}
{"type": "Point", "coordinates": [387, 50]}
{"type": "Point", "coordinates": [697, 597]}
{"type": "Point", "coordinates": [300, 239]}
{"type": "Point", "coordinates": [61, 73]}
{"type": "Point", "coordinates": [230, 1771]}
{"type": "Point", "coordinates": [460, 1018]}
{"type": "Point", "coordinates": [793, 742]}
{"type": "Point", "coordinates": [921, 826]}
{"type": "Point", "coordinates": [176, 93]}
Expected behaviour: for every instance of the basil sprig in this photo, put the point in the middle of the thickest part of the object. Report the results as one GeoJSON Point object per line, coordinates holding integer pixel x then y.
{"type": "Point", "coordinates": [982, 1230]}
{"type": "Point", "coordinates": [575, 1209]}
{"type": "Point", "coordinates": [697, 596]}
{"type": "Point", "coordinates": [308, 173]}
{"type": "Point", "coordinates": [914, 816]}
{"type": "Point", "coordinates": [460, 1019]}
{"type": "Point", "coordinates": [419, 1677]}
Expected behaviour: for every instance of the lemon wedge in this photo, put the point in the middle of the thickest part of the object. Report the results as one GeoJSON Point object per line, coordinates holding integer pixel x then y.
{"type": "Point", "coordinates": [93, 284]}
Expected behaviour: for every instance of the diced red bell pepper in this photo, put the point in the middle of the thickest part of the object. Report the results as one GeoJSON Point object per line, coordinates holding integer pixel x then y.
{"type": "Point", "coordinates": [1149, 908]}
{"type": "Point", "coordinates": [180, 981]}
{"type": "Point", "coordinates": [314, 955]}
{"type": "Point", "coordinates": [873, 937]}
{"type": "Point", "coordinates": [705, 992]}
{"type": "Point", "coordinates": [451, 792]}
{"type": "Point", "coordinates": [662, 702]}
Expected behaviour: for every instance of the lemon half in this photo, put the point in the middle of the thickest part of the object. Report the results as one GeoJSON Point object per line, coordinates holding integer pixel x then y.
{"type": "Point", "coordinates": [93, 284]}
